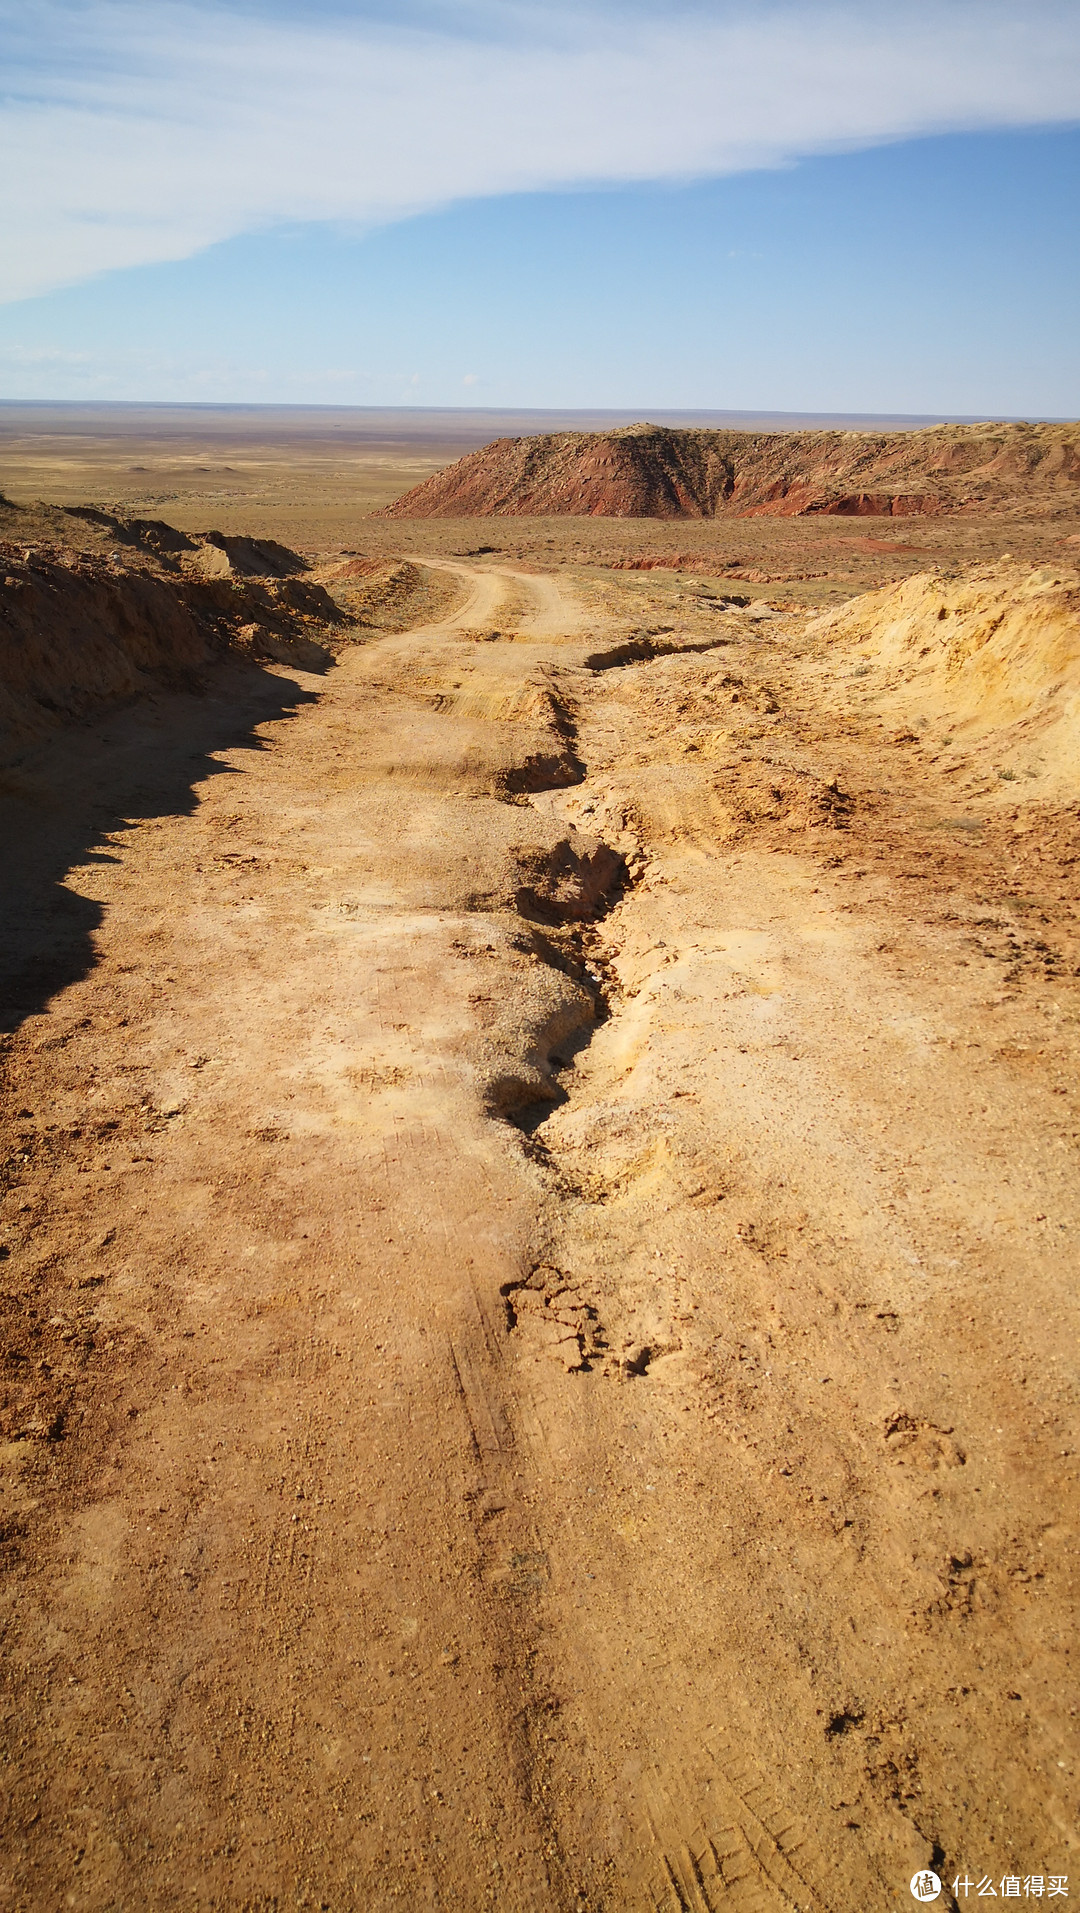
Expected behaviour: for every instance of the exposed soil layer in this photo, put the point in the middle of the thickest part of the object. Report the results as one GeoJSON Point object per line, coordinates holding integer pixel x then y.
{"type": "Point", "coordinates": [648, 471]}
{"type": "Point", "coordinates": [536, 1261]}
{"type": "Point", "coordinates": [990, 658]}
{"type": "Point", "coordinates": [97, 609]}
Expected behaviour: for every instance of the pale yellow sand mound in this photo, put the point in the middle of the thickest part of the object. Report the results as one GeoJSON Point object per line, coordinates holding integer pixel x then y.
{"type": "Point", "coordinates": [990, 657]}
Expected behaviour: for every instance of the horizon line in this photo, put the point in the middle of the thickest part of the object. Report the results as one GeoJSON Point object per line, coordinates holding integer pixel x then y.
{"type": "Point", "coordinates": [629, 414]}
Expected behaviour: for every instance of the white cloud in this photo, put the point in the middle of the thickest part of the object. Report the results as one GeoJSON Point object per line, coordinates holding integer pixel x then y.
{"type": "Point", "coordinates": [141, 130]}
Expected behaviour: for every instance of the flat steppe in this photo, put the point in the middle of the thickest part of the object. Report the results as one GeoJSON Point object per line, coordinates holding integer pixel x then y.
{"type": "Point", "coordinates": [311, 478]}
{"type": "Point", "coordinates": [539, 1232]}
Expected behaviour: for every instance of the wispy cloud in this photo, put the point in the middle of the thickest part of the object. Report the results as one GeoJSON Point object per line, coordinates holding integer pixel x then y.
{"type": "Point", "coordinates": [142, 130]}
{"type": "Point", "coordinates": [127, 372]}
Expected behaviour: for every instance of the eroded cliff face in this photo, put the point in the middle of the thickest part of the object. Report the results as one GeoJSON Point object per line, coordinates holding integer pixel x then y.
{"type": "Point", "coordinates": [96, 610]}
{"type": "Point", "coordinates": [647, 471]}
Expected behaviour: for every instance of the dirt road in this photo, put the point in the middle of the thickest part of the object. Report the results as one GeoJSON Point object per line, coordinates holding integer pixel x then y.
{"type": "Point", "coordinates": [547, 1236]}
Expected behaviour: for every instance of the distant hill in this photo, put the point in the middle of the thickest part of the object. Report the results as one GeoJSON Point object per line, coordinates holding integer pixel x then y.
{"type": "Point", "coordinates": [653, 471]}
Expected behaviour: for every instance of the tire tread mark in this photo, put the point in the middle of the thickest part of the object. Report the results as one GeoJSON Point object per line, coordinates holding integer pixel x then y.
{"type": "Point", "coordinates": [760, 1808]}
{"type": "Point", "coordinates": [704, 1870]}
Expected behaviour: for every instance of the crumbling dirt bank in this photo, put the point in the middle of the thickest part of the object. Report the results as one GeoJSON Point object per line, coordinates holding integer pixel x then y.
{"type": "Point", "coordinates": [538, 1264]}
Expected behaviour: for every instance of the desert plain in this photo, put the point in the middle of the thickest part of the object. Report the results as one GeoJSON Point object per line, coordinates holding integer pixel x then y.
{"type": "Point", "coordinates": [540, 1205]}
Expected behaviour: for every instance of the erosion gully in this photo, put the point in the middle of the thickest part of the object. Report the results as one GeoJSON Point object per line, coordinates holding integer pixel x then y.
{"type": "Point", "coordinates": [524, 1393]}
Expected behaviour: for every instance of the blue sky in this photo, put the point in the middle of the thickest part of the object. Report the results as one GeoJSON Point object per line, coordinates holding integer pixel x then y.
{"type": "Point", "coordinates": [726, 203]}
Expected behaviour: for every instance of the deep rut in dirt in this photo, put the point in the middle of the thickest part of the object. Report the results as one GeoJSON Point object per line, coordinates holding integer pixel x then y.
{"type": "Point", "coordinates": [507, 1213]}
{"type": "Point", "coordinates": [657, 1142]}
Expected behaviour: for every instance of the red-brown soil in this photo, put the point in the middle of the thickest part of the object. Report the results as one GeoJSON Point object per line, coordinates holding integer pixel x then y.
{"type": "Point", "coordinates": [649, 471]}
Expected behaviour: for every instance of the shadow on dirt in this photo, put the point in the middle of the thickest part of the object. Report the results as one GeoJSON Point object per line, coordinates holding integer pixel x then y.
{"type": "Point", "coordinates": [61, 804]}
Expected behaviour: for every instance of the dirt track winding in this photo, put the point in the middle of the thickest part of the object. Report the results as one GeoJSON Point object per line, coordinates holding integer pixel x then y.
{"type": "Point", "coordinates": [654, 1501]}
